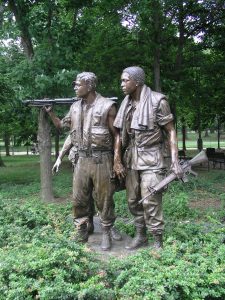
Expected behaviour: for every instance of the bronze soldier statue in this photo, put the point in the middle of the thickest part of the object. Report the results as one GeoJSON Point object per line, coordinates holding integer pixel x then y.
{"type": "Point", "coordinates": [73, 157]}
{"type": "Point", "coordinates": [143, 117]}
{"type": "Point", "coordinates": [90, 120]}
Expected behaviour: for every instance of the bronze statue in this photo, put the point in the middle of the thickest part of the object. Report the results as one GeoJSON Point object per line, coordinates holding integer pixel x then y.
{"type": "Point", "coordinates": [143, 117]}
{"type": "Point", "coordinates": [73, 157]}
{"type": "Point", "coordinates": [90, 120]}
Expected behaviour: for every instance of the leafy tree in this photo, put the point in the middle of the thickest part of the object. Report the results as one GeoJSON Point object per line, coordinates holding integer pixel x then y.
{"type": "Point", "coordinates": [179, 43]}
{"type": "Point", "coordinates": [6, 115]}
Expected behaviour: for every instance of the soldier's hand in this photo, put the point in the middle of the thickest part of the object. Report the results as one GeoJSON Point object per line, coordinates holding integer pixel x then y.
{"type": "Point", "coordinates": [177, 169]}
{"type": "Point", "coordinates": [48, 108]}
{"type": "Point", "coordinates": [55, 167]}
{"type": "Point", "coordinates": [119, 170]}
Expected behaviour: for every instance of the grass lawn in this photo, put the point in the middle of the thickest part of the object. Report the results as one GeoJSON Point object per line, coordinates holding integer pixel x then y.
{"type": "Point", "coordinates": [191, 143]}
{"type": "Point", "coordinates": [208, 142]}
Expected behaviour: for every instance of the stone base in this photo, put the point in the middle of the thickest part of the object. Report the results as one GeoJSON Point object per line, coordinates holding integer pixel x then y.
{"type": "Point", "coordinates": [118, 247]}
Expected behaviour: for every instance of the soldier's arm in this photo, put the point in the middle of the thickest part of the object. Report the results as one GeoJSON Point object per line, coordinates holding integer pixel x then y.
{"type": "Point", "coordinates": [118, 167]}
{"type": "Point", "coordinates": [66, 147]}
{"type": "Point", "coordinates": [172, 138]}
{"type": "Point", "coordinates": [56, 121]}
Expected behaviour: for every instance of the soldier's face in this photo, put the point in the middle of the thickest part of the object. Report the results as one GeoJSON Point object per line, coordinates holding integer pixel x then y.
{"type": "Point", "coordinates": [128, 85]}
{"type": "Point", "coordinates": [81, 88]}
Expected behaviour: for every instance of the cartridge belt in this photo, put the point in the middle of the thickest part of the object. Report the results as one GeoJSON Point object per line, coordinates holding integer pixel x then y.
{"type": "Point", "coordinates": [94, 153]}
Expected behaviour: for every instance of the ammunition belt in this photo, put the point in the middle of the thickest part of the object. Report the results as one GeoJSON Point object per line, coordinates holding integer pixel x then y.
{"type": "Point", "coordinates": [93, 153]}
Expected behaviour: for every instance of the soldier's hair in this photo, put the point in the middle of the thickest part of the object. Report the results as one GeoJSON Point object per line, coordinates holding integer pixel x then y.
{"type": "Point", "coordinates": [136, 73]}
{"type": "Point", "coordinates": [89, 78]}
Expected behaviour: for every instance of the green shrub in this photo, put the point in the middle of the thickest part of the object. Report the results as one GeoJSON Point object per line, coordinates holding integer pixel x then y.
{"type": "Point", "coordinates": [39, 260]}
{"type": "Point", "coordinates": [187, 271]}
{"type": "Point", "coordinates": [176, 206]}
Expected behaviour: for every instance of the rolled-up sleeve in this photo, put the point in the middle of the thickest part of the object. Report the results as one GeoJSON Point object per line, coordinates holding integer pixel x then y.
{"type": "Point", "coordinates": [66, 121]}
{"type": "Point", "coordinates": [163, 115]}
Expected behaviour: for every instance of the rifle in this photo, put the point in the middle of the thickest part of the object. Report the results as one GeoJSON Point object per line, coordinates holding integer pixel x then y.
{"type": "Point", "coordinates": [58, 101]}
{"type": "Point", "coordinates": [186, 167]}
{"type": "Point", "coordinates": [44, 102]}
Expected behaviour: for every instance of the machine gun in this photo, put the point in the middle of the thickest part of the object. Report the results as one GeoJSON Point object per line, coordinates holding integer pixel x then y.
{"type": "Point", "coordinates": [186, 167]}
{"type": "Point", "coordinates": [58, 101]}
{"type": "Point", "coordinates": [46, 102]}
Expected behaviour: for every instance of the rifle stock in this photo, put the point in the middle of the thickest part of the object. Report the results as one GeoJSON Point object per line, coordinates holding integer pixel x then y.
{"type": "Point", "coordinates": [201, 157]}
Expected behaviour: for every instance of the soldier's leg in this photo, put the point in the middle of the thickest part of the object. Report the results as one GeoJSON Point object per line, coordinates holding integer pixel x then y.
{"type": "Point", "coordinates": [104, 189]}
{"type": "Point", "coordinates": [153, 206]}
{"type": "Point", "coordinates": [82, 189]}
{"type": "Point", "coordinates": [91, 214]}
{"type": "Point", "coordinates": [133, 196]}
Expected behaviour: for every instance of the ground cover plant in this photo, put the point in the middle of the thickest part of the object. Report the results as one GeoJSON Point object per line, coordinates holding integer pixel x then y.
{"type": "Point", "coordinates": [39, 260]}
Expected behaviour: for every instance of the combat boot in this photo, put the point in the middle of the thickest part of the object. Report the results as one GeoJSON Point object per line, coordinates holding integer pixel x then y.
{"type": "Point", "coordinates": [158, 241]}
{"type": "Point", "coordinates": [115, 234]}
{"type": "Point", "coordinates": [90, 225]}
{"type": "Point", "coordinates": [139, 240]}
{"type": "Point", "coordinates": [81, 235]}
{"type": "Point", "coordinates": [106, 238]}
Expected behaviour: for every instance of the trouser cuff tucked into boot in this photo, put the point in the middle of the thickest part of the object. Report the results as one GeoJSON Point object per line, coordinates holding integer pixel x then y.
{"type": "Point", "coordinates": [90, 225]}
{"type": "Point", "coordinates": [106, 238]}
{"type": "Point", "coordinates": [139, 240]}
{"type": "Point", "coordinates": [81, 234]}
{"type": "Point", "coordinates": [115, 234]}
{"type": "Point", "coordinates": [158, 241]}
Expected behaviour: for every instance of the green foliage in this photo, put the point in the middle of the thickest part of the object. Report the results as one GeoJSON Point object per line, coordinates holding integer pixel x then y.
{"type": "Point", "coordinates": [121, 206]}
{"type": "Point", "coordinates": [66, 37]}
{"type": "Point", "coordinates": [191, 270]}
{"type": "Point", "coordinates": [176, 206]}
{"type": "Point", "coordinates": [39, 259]}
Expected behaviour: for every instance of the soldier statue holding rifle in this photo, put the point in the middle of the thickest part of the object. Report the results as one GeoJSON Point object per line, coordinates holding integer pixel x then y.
{"type": "Point", "coordinates": [143, 117]}
{"type": "Point", "coordinates": [90, 120]}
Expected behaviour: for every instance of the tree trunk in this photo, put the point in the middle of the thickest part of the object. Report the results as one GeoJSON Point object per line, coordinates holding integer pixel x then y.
{"type": "Point", "coordinates": [157, 43]}
{"type": "Point", "coordinates": [7, 143]}
{"type": "Point", "coordinates": [199, 142]}
{"type": "Point", "coordinates": [179, 56]}
{"type": "Point", "coordinates": [206, 133]}
{"type": "Point", "coordinates": [157, 84]}
{"type": "Point", "coordinates": [183, 136]}
{"type": "Point", "coordinates": [181, 41]}
{"type": "Point", "coordinates": [20, 12]}
{"type": "Point", "coordinates": [1, 162]}
{"type": "Point", "coordinates": [44, 145]}
{"type": "Point", "coordinates": [218, 132]}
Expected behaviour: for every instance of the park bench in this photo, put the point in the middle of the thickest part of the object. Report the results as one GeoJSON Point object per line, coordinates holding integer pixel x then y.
{"type": "Point", "coordinates": [215, 158]}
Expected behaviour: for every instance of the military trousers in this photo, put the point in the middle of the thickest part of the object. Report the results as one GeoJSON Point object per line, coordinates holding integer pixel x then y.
{"type": "Point", "coordinates": [94, 174]}
{"type": "Point", "coordinates": [148, 213]}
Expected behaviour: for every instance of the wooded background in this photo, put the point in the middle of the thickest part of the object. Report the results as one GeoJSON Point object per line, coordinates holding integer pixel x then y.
{"type": "Point", "coordinates": [44, 44]}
